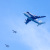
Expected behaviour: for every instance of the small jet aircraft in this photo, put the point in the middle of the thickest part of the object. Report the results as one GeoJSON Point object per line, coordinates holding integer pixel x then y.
{"type": "Point", "coordinates": [14, 31]}
{"type": "Point", "coordinates": [6, 45]}
{"type": "Point", "coordinates": [34, 18]}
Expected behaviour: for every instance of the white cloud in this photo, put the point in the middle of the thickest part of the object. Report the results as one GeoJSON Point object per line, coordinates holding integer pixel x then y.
{"type": "Point", "coordinates": [38, 37]}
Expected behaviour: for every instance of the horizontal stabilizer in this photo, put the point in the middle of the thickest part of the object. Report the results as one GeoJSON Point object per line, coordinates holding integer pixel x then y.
{"type": "Point", "coordinates": [41, 23]}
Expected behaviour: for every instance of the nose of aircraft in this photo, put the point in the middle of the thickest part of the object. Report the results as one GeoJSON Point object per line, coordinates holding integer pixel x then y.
{"type": "Point", "coordinates": [24, 13]}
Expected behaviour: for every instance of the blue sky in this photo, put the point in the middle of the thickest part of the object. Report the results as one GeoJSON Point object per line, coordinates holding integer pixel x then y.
{"type": "Point", "coordinates": [28, 37]}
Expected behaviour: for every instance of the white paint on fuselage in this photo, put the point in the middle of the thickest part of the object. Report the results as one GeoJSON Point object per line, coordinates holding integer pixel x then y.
{"type": "Point", "coordinates": [27, 15]}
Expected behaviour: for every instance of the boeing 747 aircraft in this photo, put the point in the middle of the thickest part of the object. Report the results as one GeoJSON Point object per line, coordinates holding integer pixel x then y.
{"type": "Point", "coordinates": [33, 18]}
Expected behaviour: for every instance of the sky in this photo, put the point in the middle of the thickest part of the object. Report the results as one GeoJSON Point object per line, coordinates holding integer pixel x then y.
{"type": "Point", "coordinates": [28, 37]}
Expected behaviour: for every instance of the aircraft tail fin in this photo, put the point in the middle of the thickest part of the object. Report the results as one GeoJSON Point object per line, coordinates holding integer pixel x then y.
{"type": "Point", "coordinates": [41, 23]}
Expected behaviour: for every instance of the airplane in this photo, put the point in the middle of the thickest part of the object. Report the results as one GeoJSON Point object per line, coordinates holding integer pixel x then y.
{"type": "Point", "coordinates": [6, 45]}
{"type": "Point", "coordinates": [34, 18]}
{"type": "Point", "coordinates": [14, 31]}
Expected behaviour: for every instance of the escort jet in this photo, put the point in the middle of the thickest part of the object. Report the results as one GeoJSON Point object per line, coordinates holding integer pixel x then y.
{"type": "Point", "coordinates": [14, 31]}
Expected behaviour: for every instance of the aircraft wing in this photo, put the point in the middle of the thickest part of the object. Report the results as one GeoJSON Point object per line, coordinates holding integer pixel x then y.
{"type": "Point", "coordinates": [39, 16]}
{"type": "Point", "coordinates": [27, 21]}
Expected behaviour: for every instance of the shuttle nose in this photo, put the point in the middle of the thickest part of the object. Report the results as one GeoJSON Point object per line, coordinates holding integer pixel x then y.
{"type": "Point", "coordinates": [27, 12]}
